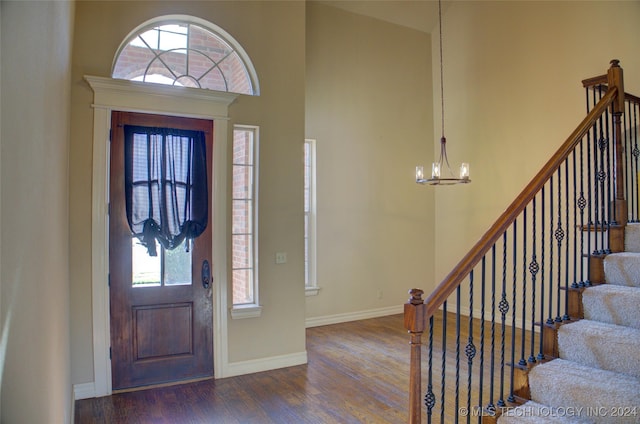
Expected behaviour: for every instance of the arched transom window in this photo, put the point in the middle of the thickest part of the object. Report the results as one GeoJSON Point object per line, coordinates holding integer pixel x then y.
{"type": "Point", "coordinates": [185, 51]}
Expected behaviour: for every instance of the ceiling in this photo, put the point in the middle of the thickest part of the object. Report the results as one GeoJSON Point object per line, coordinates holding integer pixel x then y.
{"type": "Point", "coordinates": [421, 15]}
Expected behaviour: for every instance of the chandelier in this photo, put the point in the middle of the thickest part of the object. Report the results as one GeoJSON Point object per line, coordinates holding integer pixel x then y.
{"type": "Point", "coordinates": [441, 173]}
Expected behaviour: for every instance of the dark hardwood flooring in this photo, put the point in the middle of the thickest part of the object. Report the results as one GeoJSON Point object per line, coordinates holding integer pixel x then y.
{"type": "Point", "coordinates": [358, 372]}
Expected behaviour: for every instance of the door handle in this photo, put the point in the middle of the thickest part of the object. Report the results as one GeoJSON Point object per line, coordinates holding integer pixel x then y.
{"type": "Point", "coordinates": [206, 274]}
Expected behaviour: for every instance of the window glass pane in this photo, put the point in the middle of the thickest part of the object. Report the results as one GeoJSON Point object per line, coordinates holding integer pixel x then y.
{"type": "Point", "coordinates": [148, 39]}
{"type": "Point", "coordinates": [177, 266]}
{"type": "Point", "coordinates": [191, 55]}
{"type": "Point", "coordinates": [145, 269]}
{"type": "Point", "coordinates": [243, 147]}
{"type": "Point", "coordinates": [173, 37]}
{"type": "Point", "coordinates": [242, 251]}
{"type": "Point", "coordinates": [242, 182]}
{"type": "Point", "coordinates": [242, 217]}
{"type": "Point", "coordinates": [242, 286]}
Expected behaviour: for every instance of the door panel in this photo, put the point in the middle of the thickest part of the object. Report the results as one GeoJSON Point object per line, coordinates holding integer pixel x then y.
{"type": "Point", "coordinates": [161, 331]}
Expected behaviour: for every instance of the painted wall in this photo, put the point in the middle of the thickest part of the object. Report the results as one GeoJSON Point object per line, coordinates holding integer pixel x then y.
{"type": "Point", "coordinates": [368, 105]}
{"type": "Point", "coordinates": [513, 94]}
{"type": "Point", "coordinates": [34, 279]}
{"type": "Point", "coordinates": [272, 33]}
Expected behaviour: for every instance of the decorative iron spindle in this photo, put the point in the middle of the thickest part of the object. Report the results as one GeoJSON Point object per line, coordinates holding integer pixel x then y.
{"type": "Point", "coordinates": [522, 361]}
{"type": "Point", "coordinates": [514, 283]}
{"type": "Point", "coordinates": [565, 317]}
{"type": "Point", "coordinates": [596, 195]}
{"type": "Point", "coordinates": [559, 235]}
{"type": "Point", "coordinates": [482, 320]}
{"type": "Point", "coordinates": [534, 268]}
{"type": "Point", "coordinates": [504, 308]}
{"type": "Point", "coordinates": [444, 360]}
{"type": "Point", "coordinates": [457, 391]}
{"type": "Point", "coordinates": [574, 283]}
{"type": "Point", "coordinates": [610, 217]}
{"type": "Point", "coordinates": [582, 203]}
{"type": "Point", "coordinates": [636, 154]}
{"type": "Point", "coordinates": [430, 398]}
{"type": "Point", "coordinates": [542, 262]}
{"type": "Point", "coordinates": [628, 162]}
{"type": "Point", "coordinates": [470, 349]}
{"type": "Point", "coordinates": [551, 228]}
{"type": "Point", "coordinates": [491, 405]}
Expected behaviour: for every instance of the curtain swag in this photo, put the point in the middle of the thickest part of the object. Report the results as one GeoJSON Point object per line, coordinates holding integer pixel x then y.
{"type": "Point", "coordinates": [165, 185]}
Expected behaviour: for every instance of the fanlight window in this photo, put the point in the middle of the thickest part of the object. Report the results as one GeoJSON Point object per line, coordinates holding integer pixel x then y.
{"type": "Point", "coordinates": [185, 54]}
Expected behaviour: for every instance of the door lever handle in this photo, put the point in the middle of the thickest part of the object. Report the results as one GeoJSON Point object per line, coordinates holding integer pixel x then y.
{"type": "Point", "coordinates": [206, 274]}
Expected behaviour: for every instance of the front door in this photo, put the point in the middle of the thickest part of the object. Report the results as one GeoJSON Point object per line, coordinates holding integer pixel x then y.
{"type": "Point", "coordinates": [161, 306]}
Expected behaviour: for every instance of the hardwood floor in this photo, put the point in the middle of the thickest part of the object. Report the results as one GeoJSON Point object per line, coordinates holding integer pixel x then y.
{"type": "Point", "coordinates": [358, 372]}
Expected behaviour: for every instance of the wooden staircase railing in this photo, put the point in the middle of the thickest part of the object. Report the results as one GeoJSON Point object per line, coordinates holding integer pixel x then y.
{"type": "Point", "coordinates": [515, 281]}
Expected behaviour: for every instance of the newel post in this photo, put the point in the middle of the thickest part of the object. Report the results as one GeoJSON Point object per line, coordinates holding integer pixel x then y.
{"type": "Point", "coordinates": [615, 79]}
{"type": "Point", "coordinates": [414, 322]}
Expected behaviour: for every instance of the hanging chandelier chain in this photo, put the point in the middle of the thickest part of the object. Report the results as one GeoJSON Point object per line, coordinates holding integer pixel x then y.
{"type": "Point", "coordinates": [441, 66]}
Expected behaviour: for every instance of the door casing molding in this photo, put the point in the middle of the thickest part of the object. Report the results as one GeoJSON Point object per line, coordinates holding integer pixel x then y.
{"type": "Point", "coordinates": [131, 96]}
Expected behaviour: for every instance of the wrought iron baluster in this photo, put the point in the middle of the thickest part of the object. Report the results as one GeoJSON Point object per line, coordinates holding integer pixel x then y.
{"type": "Point", "coordinates": [444, 360]}
{"type": "Point", "coordinates": [534, 267]}
{"type": "Point", "coordinates": [470, 349]}
{"type": "Point", "coordinates": [457, 392]}
{"type": "Point", "coordinates": [559, 235]}
{"type": "Point", "coordinates": [582, 203]}
{"type": "Point", "coordinates": [576, 253]}
{"type": "Point", "coordinates": [565, 316]}
{"type": "Point", "coordinates": [522, 361]}
{"type": "Point", "coordinates": [627, 160]}
{"type": "Point", "coordinates": [491, 406]}
{"type": "Point", "coordinates": [596, 196]}
{"type": "Point", "coordinates": [608, 203]}
{"type": "Point", "coordinates": [504, 308]}
{"type": "Point", "coordinates": [551, 257]}
{"type": "Point", "coordinates": [514, 284]}
{"type": "Point", "coordinates": [429, 398]}
{"type": "Point", "coordinates": [602, 176]}
{"type": "Point", "coordinates": [542, 282]}
{"type": "Point", "coordinates": [482, 318]}
{"type": "Point", "coordinates": [636, 153]}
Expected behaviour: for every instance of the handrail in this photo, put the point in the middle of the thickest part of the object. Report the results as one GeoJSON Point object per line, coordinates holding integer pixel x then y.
{"type": "Point", "coordinates": [471, 259]}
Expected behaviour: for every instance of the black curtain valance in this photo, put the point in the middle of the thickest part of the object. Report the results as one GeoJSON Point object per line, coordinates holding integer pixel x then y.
{"type": "Point", "coordinates": [165, 185]}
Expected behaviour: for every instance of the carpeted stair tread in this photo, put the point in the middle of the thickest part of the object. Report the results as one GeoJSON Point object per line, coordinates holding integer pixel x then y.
{"type": "Point", "coordinates": [632, 238]}
{"type": "Point", "coordinates": [600, 345]}
{"type": "Point", "coordinates": [561, 383]}
{"type": "Point", "coordinates": [535, 413]}
{"type": "Point", "coordinates": [622, 269]}
{"type": "Point", "coordinates": [612, 304]}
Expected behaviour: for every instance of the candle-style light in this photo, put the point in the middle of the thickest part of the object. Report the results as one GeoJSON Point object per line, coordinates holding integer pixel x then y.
{"type": "Point", "coordinates": [437, 178]}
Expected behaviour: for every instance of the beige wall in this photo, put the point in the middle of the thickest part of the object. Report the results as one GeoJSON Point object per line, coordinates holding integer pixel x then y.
{"type": "Point", "coordinates": [272, 33]}
{"type": "Point", "coordinates": [34, 284]}
{"type": "Point", "coordinates": [513, 95]}
{"type": "Point", "coordinates": [369, 107]}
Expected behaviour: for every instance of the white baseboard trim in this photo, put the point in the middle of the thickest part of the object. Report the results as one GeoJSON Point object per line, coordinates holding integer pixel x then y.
{"type": "Point", "coordinates": [263, 364]}
{"type": "Point", "coordinates": [84, 391]}
{"type": "Point", "coordinates": [353, 316]}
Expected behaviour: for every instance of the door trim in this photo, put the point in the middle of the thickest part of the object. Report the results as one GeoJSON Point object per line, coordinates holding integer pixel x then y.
{"type": "Point", "coordinates": [131, 96]}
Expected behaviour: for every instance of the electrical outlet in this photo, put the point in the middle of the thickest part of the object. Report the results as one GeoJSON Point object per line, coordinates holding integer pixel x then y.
{"type": "Point", "coordinates": [281, 257]}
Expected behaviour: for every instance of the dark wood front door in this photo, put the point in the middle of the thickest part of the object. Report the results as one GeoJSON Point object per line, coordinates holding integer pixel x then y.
{"type": "Point", "coordinates": [161, 311]}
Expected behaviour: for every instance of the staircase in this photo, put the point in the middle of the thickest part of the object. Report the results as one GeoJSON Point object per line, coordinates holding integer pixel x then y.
{"type": "Point", "coordinates": [540, 321]}
{"type": "Point", "coordinates": [596, 376]}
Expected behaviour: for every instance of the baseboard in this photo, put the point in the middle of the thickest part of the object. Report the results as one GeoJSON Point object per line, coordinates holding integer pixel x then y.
{"type": "Point", "coordinates": [84, 391]}
{"type": "Point", "coordinates": [263, 364]}
{"type": "Point", "coordinates": [353, 316]}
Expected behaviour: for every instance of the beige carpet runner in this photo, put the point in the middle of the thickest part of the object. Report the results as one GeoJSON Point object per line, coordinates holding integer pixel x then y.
{"type": "Point", "coordinates": [597, 377]}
